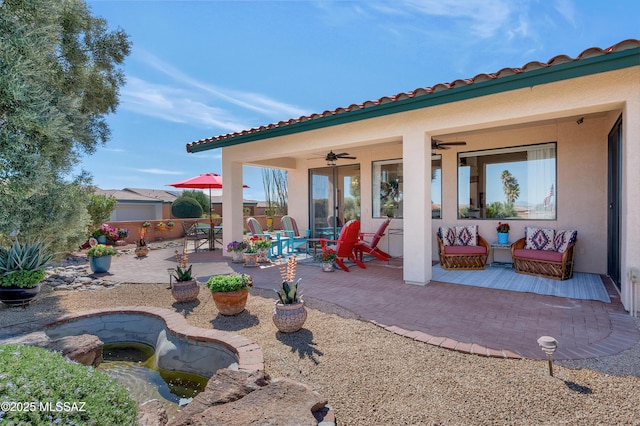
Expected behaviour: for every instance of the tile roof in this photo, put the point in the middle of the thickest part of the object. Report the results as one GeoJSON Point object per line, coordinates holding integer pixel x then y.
{"type": "Point", "coordinates": [504, 72]}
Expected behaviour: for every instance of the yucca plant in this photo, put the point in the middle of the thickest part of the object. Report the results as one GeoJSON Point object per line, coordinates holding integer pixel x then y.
{"type": "Point", "coordinates": [22, 265]}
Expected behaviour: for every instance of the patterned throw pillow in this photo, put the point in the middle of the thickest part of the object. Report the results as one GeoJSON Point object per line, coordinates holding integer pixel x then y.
{"type": "Point", "coordinates": [467, 235]}
{"type": "Point", "coordinates": [564, 239]}
{"type": "Point", "coordinates": [539, 238]}
{"type": "Point", "coordinates": [448, 236]}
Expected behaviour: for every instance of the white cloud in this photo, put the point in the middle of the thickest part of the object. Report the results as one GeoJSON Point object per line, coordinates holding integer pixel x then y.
{"type": "Point", "coordinates": [255, 102]}
{"type": "Point", "coordinates": [159, 171]}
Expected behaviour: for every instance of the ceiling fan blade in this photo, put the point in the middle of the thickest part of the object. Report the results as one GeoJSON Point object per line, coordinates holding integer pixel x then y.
{"type": "Point", "coordinates": [342, 154]}
{"type": "Point", "coordinates": [451, 143]}
{"type": "Point", "coordinates": [347, 157]}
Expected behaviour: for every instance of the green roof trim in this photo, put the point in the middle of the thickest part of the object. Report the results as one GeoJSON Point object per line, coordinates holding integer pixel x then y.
{"type": "Point", "coordinates": [549, 74]}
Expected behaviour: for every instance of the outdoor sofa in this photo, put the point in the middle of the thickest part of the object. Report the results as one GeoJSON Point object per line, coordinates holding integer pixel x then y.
{"type": "Point", "coordinates": [545, 252]}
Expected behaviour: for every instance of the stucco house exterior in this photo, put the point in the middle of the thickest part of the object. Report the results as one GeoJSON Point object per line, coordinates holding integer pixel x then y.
{"type": "Point", "coordinates": [567, 132]}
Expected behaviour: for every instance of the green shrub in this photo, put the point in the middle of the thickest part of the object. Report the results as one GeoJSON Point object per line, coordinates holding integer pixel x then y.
{"type": "Point", "coordinates": [59, 391]}
{"type": "Point", "coordinates": [186, 207]}
{"type": "Point", "coordinates": [232, 282]}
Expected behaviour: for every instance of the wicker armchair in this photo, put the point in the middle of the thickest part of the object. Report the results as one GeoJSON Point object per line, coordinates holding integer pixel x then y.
{"type": "Point", "coordinates": [543, 263]}
{"type": "Point", "coordinates": [463, 257]}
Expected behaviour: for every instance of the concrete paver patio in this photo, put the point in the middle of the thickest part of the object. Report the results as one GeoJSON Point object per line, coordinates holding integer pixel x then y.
{"type": "Point", "coordinates": [468, 319]}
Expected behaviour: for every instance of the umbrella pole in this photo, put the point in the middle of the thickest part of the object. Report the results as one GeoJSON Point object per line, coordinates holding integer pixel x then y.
{"type": "Point", "coordinates": [212, 241]}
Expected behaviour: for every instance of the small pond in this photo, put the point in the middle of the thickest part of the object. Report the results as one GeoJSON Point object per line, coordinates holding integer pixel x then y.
{"type": "Point", "coordinates": [133, 365]}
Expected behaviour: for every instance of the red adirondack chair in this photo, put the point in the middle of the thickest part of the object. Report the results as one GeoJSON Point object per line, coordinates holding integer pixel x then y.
{"type": "Point", "coordinates": [371, 247]}
{"type": "Point", "coordinates": [345, 244]}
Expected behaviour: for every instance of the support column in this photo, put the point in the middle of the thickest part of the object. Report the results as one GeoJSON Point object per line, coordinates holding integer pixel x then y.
{"type": "Point", "coordinates": [232, 202]}
{"type": "Point", "coordinates": [416, 154]}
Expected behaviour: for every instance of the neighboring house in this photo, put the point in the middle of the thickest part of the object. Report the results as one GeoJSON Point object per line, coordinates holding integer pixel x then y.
{"type": "Point", "coordinates": [154, 204]}
{"type": "Point", "coordinates": [141, 204]}
{"type": "Point", "coordinates": [567, 132]}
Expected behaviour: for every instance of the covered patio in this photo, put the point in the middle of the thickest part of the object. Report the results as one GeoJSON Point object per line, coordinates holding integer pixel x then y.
{"type": "Point", "coordinates": [486, 322]}
{"type": "Point", "coordinates": [577, 114]}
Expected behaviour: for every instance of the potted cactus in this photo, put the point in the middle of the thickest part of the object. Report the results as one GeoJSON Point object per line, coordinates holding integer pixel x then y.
{"type": "Point", "coordinates": [289, 314]}
{"type": "Point", "coordinates": [185, 288]}
{"type": "Point", "coordinates": [21, 271]}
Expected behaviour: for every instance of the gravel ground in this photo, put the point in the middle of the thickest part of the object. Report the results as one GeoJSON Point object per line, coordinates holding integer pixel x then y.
{"type": "Point", "coordinates": [373, 377]}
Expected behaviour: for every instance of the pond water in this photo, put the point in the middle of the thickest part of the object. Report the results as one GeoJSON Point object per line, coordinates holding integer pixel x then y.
{"type": "Point", "coordinates": [133, 365]}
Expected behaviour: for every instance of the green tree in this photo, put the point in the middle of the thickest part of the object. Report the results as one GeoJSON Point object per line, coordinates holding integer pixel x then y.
{"type": "Point", "coordinates": [275, 191]}
{"type": "Point", "coordinates": [200, 197]}
{"type": "Point", "coordinates": [100, 208]}
{"type": "Point", "coordinates": [510, 187]}
{"type": "Point", "coordinates": [59, 79]}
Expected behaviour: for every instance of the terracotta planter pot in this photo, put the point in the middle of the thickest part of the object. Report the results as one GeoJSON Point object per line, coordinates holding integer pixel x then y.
{"type": "Point", "coordinates": [142, 251]}
{"type": "Point", "coordinates": [289, 318]}
{"type": "Point", "coordinates": [14, 296]}
{"type": "Point", "coordinates": [230, 302]}
{"type": "Point", "coordinates": [185, 291]}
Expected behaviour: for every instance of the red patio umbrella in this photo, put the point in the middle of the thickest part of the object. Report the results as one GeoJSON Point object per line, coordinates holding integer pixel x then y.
{"type": "Point", "coordinates": [203, 181]}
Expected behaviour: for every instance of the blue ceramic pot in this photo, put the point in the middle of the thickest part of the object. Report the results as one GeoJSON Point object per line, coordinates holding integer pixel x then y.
{"type": "Point", "coordinates": [100, 265]}
{"type": "Point", "coordinates": [503, 238]}
{"type": "Point", "coordinates": [102, 239]}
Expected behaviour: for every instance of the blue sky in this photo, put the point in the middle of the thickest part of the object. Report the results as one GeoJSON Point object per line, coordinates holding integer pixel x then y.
{"type": "Point", "coordinates": [206, 68]}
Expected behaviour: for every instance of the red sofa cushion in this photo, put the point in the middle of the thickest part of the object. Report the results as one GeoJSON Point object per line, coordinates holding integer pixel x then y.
{"type": "Point", "coordinates": [547, 255]}
{"type": "Point", "coordinates": [465, 250]}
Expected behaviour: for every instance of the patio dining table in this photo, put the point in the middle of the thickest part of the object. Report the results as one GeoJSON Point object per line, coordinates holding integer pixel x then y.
{"type": "Point", "coordinates": [214, 233]}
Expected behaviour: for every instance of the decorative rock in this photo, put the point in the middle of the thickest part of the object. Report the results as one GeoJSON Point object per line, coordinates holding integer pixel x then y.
{"type": "Point", "coordinates": [242, 398]}
{"type": "Point", "coordinates": [151, 413]}
{"type": "Point", "coordinates": [85, 349]}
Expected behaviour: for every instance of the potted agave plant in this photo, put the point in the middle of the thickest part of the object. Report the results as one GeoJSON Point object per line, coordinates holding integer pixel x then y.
{"type": "Point", "coordinates": [289, 313]}
{"type": "Point", "coordinates": [230, 292]}
{"type": "Point", "coordinates": [21, 271]}
{"type": "Point", "coordinates": [185, 288]}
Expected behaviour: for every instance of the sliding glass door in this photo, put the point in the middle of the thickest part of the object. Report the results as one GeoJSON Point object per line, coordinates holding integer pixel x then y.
{"type": "Point", "coordinates": [334, 199]}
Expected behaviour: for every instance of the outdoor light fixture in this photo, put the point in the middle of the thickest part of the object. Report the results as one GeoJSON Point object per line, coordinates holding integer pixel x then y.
{"type": "Point", "coordinates": [170, 272]}
{"type": "Point", "coordinates": [548, 345]}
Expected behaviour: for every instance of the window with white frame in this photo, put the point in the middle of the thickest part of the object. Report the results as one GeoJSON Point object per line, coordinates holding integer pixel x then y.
{"type": "Point", "coordinates": [387, 186]}
{"type": "Point", "coordinates": [515, 183]}
{"type": "Point", "coordinates": [436, 187]}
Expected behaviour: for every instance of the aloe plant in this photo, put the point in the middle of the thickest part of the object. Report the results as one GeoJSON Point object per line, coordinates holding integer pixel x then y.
{"type": "Point", "coordinates": [288, 293]}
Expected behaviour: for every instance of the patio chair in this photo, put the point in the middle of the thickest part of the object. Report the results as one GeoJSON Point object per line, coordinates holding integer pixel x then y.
{"type": "Point", "coordinates": [290, 226]}
{"type": "Point", "coordinates": [255, 229]}
{"type": "Point", "coordinates": [371, 247]}
{"type": "Point", "coordinates": [192, 233]}
{"type": "Point", "coordinates": [345, 244]}
{"type": "Point", "coordinates": [454, 255]}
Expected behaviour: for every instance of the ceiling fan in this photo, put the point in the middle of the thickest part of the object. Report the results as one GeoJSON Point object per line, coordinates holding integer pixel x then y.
{"type": "Point", "coordinates": [436, 144]}
{"type": "Point", "coordinates": [332, 157]}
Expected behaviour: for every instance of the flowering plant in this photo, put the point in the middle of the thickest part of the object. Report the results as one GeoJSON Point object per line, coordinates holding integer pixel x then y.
{"type": "Point", "coordinates": [141, 242]}
{"type": "Point", "coordinates": [256, 243]}
{"type": "Point", "coordinates": [503, 228]}
{"type": "Point", "coordinates": [146, 224]}
{"type": "Point", "coordinates": [327, 255]}
{"type": "Point", "coordinates": [122, 233]}
{"type": "Point", "coordinates": [237, 246]}
{"type": "Point", "coordinates": [288, 291]}
{"type": "Point", "coordinates": [100, 250]}
{"type": "Point", "coordinates": [107, 230]}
